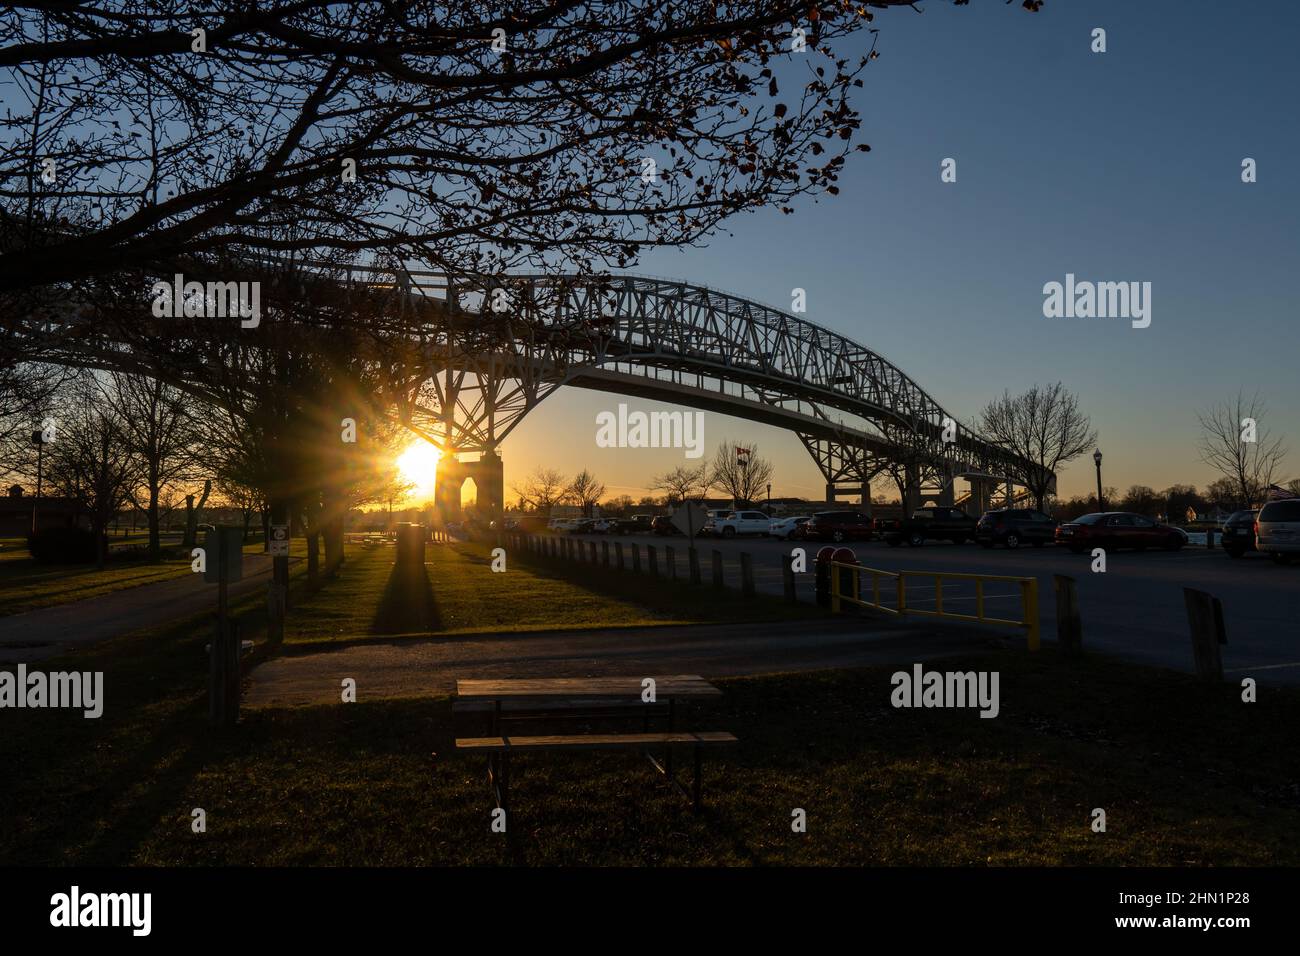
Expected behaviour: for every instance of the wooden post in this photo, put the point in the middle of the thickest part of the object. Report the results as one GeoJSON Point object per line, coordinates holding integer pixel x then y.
{"type": "Point", "coordinates": [1209, 539]}
{"type": "Point", "coordinates": [604, 553]}
{"type": "Point", "coordinates": [787, 578]}
{"type": "Point", "coordinates": [636, 557]}
{"type": "Point", "coordinates": [652, 558]}
{"type": "Point", "coordinates": [693, 562]}
{"type": "Point", "coordinates": [591, 551]}
{"type": "Point", "coordinates": [717, 569]}
{"type": "Point", "coordinates": [746, 573]}
{"type": "Point", "coordinates": [618, 554]}
{"type": "Point", "coordinates": [1069, 625]}
{"type": "Point", "coordinates": [670, 561]}
{"type": "Point", "coordinates": [1205, 616]}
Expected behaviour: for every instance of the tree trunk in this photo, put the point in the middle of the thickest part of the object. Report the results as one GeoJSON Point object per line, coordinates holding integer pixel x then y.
{"type": "Point", "coordinates": [192, 512]}
{"type": "Point", "coordinates": [313, 557]}
{"type": "Point", "coordinates": [155, 539]}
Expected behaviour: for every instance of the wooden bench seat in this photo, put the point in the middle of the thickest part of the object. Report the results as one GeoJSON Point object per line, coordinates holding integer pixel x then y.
{"type": "Point", "coordinates": [593, 741]}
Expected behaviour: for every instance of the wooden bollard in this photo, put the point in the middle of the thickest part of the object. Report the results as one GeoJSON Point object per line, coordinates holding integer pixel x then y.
{"type": "Point", "coordinates": [636, 557]}
{"type": "Point", "coordinates": [592, 551]}
{"type": "Point", "coordinates": [746, 573]}
{"type": "Point", "coordinates": [604, 553]}
{"type": "Point", "coordinates": [618, 555]}
{"type": "Point", "coordinates": [787, 578]}
{"type": "Point", "coordinates": [1069, 625]}
{"type": "Point", "coordinates": [670, 561]}
{"type": "Point", "coordinates": [1205, 616]}
{"type": "Point", "coordinates": [652, 558]}
{"type": "Point", "coordinates": [717, 569]}
{"type": "Point", "coordinates": [693, 564]}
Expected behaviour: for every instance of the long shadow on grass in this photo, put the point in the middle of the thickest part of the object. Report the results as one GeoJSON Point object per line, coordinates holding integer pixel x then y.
{"type": "Point", "coordinates": [408, 605]}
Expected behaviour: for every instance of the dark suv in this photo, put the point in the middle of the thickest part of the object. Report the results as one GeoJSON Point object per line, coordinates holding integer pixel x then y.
{"type": "Point", "coordinates": [1239, 533]}
{"type": "Point", "coordinates": [930, 524]}
{"type": "Point", "coordinates": [1014, 527]}
{"type": "Point", "coordinates": [838, 526]}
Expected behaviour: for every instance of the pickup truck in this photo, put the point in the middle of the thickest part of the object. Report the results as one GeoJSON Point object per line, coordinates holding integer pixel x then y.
{"type": "Point", "coordinates": [929, 524]}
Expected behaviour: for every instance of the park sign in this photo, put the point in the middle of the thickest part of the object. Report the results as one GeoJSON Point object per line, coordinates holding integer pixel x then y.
{"type": "Point", "coordinates": [223, 548]}
{"type": "Point", "coordinates": [689, 518]}
{"type": "Point", "coordinates": [279, 541]}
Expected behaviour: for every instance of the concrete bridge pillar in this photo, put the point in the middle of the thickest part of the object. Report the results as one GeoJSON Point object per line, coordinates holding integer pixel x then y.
{"type": "Point", "coordinates": [979, 496]}
{"type": "Point", "coordinates": [446, 491]}
{"type": "Point", "coordinates": [947, 495]}
{"type": "Point", "coordinates": [866, 498]}
{"type": "Point", "coordinates": [489, 478]}
{"type": "Point", "coordinates": [911, 490]}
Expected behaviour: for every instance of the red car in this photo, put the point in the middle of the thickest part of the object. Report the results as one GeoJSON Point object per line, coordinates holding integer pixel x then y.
{"type": "Point", "coordinates": [1112, 530]}
{"type": "Point", "coordinates": [837, 526]}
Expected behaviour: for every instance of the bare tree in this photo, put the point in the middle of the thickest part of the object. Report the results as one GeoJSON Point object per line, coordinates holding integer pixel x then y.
{"type": "Point", "coordinates": [1235, 443]}
{"type": "Point", "coordinates": [159, 431]}
{"type": "Point", "coordinates": [682, 484]}
{"type": "Point", "coordinates": [585, 491]}
{"type": "Point", "coordinates": [542, 490]}
{"type": "Point", "coordinates": [90, 460]}
{"type": "Point", "coordinates": [738, 471]}
{"type": "Point", "coordinates": [1042, 427]}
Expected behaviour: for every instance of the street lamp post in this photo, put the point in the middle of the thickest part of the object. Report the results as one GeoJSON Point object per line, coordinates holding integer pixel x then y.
{"type": "Point", "coordinates": [769, 496]}
{"type": "Point", "coordinates": [1096, 457]}
{"type": "Point", "coordinates": [38, 439]}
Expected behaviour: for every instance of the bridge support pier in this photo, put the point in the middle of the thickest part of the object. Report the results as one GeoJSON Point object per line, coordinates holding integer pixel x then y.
{"type": "Point", "coordinates": [979, 496]}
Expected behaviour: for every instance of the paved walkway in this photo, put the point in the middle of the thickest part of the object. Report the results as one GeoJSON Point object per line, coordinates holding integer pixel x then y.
{"type": "Point", "coordinates": [35, 635]}
{"type": "Point", "coordinates": [431, 666]}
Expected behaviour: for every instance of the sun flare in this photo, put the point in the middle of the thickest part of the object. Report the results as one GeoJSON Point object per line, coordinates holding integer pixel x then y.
{"type": "Point", "coordinates": [418, 464]}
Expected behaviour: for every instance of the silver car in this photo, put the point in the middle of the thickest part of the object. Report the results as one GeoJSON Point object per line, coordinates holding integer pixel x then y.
{"type": "Point", "coordinates": [1277, 529]}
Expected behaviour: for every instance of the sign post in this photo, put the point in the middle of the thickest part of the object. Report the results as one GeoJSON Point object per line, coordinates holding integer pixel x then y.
{"type": "Point", "coordinates": [686, 518]}
{"type": "Point", "coordinates": [224, 552]}
{"type": "Point", "coordinates": [277, 596]}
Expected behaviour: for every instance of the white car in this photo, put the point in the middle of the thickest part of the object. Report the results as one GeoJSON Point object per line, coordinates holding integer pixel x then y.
{"type": "Point", "coordinates": [784, 527]}
{"type": "Point", "coordinates": [742, 522]}
{"type": "Point", "coordinates": [1277, 530]}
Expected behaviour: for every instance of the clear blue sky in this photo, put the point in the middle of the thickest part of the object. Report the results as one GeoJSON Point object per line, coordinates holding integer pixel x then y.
{"type": "Point", "coordinates": [1117, 166]}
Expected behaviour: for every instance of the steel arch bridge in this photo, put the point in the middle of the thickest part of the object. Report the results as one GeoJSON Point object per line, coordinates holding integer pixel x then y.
{"type": "Point", "coordinates": [492, 349]}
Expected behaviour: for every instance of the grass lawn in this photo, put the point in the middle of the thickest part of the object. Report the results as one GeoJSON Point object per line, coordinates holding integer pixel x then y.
{"type": "Point", "coordinates": [1186, 774]}
{"type": "Point", "coordinates": [27, 585]}
{"type": "Point", "coordinates": [458, 593]}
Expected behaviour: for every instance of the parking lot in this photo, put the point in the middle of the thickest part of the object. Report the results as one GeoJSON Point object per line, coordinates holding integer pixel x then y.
{"type": "Point", "coordinates": [1134, 610]}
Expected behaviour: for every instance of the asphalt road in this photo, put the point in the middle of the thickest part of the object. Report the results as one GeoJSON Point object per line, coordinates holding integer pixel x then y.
{"type": "Point", "coordinates": [35, 635]}
{"type": "Point", "coordinates": [1134, 610]}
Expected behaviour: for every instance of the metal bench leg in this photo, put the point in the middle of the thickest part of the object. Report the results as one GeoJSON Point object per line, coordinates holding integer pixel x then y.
{"type": "Point", "coordinates": [505, 788]}
{"type": "Point", "coordinates": [697, 779]}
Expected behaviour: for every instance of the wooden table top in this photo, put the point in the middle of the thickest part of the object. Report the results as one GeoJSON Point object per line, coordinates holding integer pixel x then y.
{"type": "Point", "coordinates": [674, 685]}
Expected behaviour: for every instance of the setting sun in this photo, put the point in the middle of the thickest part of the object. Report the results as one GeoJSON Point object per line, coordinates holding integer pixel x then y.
{"type": "Point", "coordinates": [418, 464]}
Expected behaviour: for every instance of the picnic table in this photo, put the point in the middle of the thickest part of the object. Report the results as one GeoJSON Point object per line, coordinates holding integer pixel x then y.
{"type": "Point", "coordinates": [569, 697]}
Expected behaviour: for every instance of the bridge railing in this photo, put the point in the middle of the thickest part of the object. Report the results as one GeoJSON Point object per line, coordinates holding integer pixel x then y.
{"type": "Point", "coordinates": [846, 588]}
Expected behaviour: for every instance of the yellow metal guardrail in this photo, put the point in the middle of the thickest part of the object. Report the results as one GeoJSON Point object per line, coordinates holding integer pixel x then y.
{"type": "Point", "coordinates": [839, 595]}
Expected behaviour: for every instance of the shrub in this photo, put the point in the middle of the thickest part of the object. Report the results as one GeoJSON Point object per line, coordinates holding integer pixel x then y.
{"type": "Point", "coordinates": [62, 545]}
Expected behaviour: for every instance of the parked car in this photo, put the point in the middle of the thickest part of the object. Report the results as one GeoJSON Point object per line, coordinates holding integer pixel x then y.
{"type": "Point", "coordinates": [933, 524]}
{"type": "Point", "coordinates": [739, 522]}
{"type": "Point", "coordinates": [1015, 526]}
{"type": "Point", "coordinates": [1238, 533]}
{"type": "Point", "coordinates": [1112, 530]}
{"type": "Point", "coordinates": [582, 526]}
{"type": "Point", "coordinates": [662, 524]}
{"type": "Point", "coordinates": [838, 526]}
{"type": "Point", "coordinates": [711, 518]}
{"type": "Point", "coordinates": [1277, 530]}
{"type": "Point", "coordinates": [789, 528]}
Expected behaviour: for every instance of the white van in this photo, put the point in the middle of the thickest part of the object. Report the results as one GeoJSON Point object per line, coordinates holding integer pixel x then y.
{"type": "Point", "coordinates": [1277, 529]}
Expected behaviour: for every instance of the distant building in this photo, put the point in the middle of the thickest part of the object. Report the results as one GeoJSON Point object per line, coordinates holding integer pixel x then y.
{"type": "Point", "coordinates": [16, 513]}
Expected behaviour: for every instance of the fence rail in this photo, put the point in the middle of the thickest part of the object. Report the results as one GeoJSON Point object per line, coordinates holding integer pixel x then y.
{"type": "Point", "coordinates": [846, 587]}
